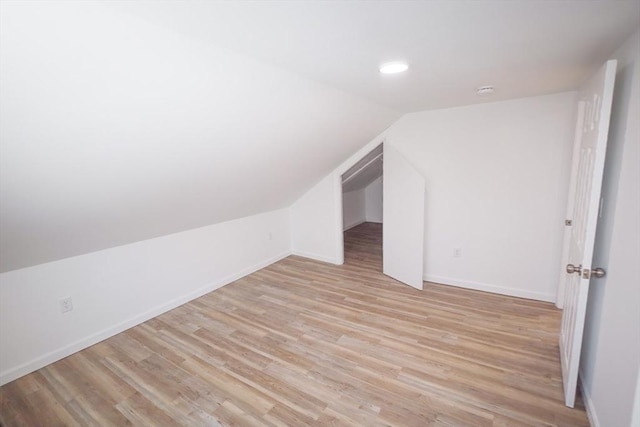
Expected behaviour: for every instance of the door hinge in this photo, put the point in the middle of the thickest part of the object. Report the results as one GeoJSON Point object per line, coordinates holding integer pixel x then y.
{"type": "Point", "coordinates": [568, 222]}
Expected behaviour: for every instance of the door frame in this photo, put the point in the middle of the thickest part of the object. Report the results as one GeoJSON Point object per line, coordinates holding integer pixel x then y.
{"type": "Point", "coordinates": [337, 194]}
{"type": "Point", "coordinates": [339, 223]}
{"type": "Point", "coordinates": [597, 117]}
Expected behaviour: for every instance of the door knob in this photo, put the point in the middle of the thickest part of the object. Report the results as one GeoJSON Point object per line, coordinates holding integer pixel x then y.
{"type": "Point", "coordinates": [573, 269]}
{"type": "Point", "coordinates": [596, 272]}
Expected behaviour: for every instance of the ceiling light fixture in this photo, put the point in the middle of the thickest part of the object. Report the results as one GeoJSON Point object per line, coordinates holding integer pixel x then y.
{"type": "Point", "coordinates": [485, 90]}
{"type": "Point", "coordinates": [393, 67]}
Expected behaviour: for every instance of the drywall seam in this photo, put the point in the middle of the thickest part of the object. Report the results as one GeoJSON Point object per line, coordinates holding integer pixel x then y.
{"type": "Point", "coordinates": [494, 289]}
{"type": "Point", "coordinates": [55, 355]}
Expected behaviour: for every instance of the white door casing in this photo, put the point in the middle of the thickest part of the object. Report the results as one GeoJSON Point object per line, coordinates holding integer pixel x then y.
{"type": "Point", "coordinates": [597, 95]}
{"type": "Point", "coordinates": [403, 213]}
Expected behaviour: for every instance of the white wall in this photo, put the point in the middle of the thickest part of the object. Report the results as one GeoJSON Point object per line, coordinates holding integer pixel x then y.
{"type": "Point", "coordinates": [120, 287]}
{"type": "Point", "coordinates": [362, 205]}
{"type": "Point", "coordinates": [353, 208]}
{"type": "Point", "coordinates": [611, 345]}
{"type": "Point", "coordinates": [114, 129]}
{"type": "Point", "coordinates": [497, 177]}
{"type": "Point", "coordinates": [315, 217]}
{"type": "Point", "coordinates": [373, 201]}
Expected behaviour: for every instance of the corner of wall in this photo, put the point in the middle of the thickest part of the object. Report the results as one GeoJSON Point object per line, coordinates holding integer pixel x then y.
{"type": "Point", "coordinates": [157, 275]}
{"type": "Point", "coordinates": [491, 288]}
{"type": "Point", "coordinates": [609, 358]}
{"type": "Point", "coordinates": [316, 217]}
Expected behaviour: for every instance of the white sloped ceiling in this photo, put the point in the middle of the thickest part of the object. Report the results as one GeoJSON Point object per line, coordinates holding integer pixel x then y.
{"type": "Point", "coordinates": [115, 130]}
{"type": "Point", "coordinates": [125, 120]}
{"type": "Point", "coordinates": [364, 172]}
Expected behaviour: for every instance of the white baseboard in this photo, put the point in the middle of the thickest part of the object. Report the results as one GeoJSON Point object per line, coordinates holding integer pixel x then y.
{"type": "Point", "coordinates": [355, 224]}
{"type": "Point", "coordinates": [316, 257]}
{"type": "Point", "coordinates": [495, 289]}
{"type": "Point", "coordinates": [375, 221]}
{"type": "Point", "coordinates": [588, 403]}
{"type": "Point", "coordinates": [67, 350]}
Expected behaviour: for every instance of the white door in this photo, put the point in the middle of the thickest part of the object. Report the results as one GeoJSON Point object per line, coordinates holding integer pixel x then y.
{"type": "Point", "coordinates": [596, 95]}
{"type": "Point", "coordinates": [577, 143]}
{"type": "Point", "coordinates": [403, 212]}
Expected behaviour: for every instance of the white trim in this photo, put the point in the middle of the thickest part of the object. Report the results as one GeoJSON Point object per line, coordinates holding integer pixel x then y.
{"type": "Point", "coordinates": [588, 403]}
{"type": "Point", "coordinates": [355, 224]}
{"type": "Point", "coordinates": [345, 180]}
{"type": "Point", "coordinates": [359, 155]}
{"type": "Point", "coordinates": [635, 412]}
{"type": "Point", "coordinates": [495, 289]}
{"type": "Point", "coordinates": [55, 355]}
{"type": "Point", "coordinates": [339, 214]}
{"type": "Point", "coordinates": [316, 257]}
{"type": "Point", "coordinates": [339, 219]}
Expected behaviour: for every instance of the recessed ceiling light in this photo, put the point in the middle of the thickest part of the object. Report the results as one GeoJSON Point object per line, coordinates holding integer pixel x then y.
{"type": "Point", "coordinates": [485, 90]}
{"type": "Point", "coordinates": [393, 67]}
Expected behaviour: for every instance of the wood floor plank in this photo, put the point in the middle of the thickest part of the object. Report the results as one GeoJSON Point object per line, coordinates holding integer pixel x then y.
{"type": "Point", "coordinates": [303, 342]}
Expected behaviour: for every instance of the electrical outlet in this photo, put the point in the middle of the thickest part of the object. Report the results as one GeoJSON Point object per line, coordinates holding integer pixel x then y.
{"type": "Point", "coordinates": [66, 305]}
{"type": "Point", "coordinates": [270, 236]}
{"type": "Point", "coordinates": [457, 252]}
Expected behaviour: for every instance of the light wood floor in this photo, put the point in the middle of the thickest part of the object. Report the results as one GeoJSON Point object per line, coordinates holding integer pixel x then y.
{"type": "Point", "coordinates": [307, 343]}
